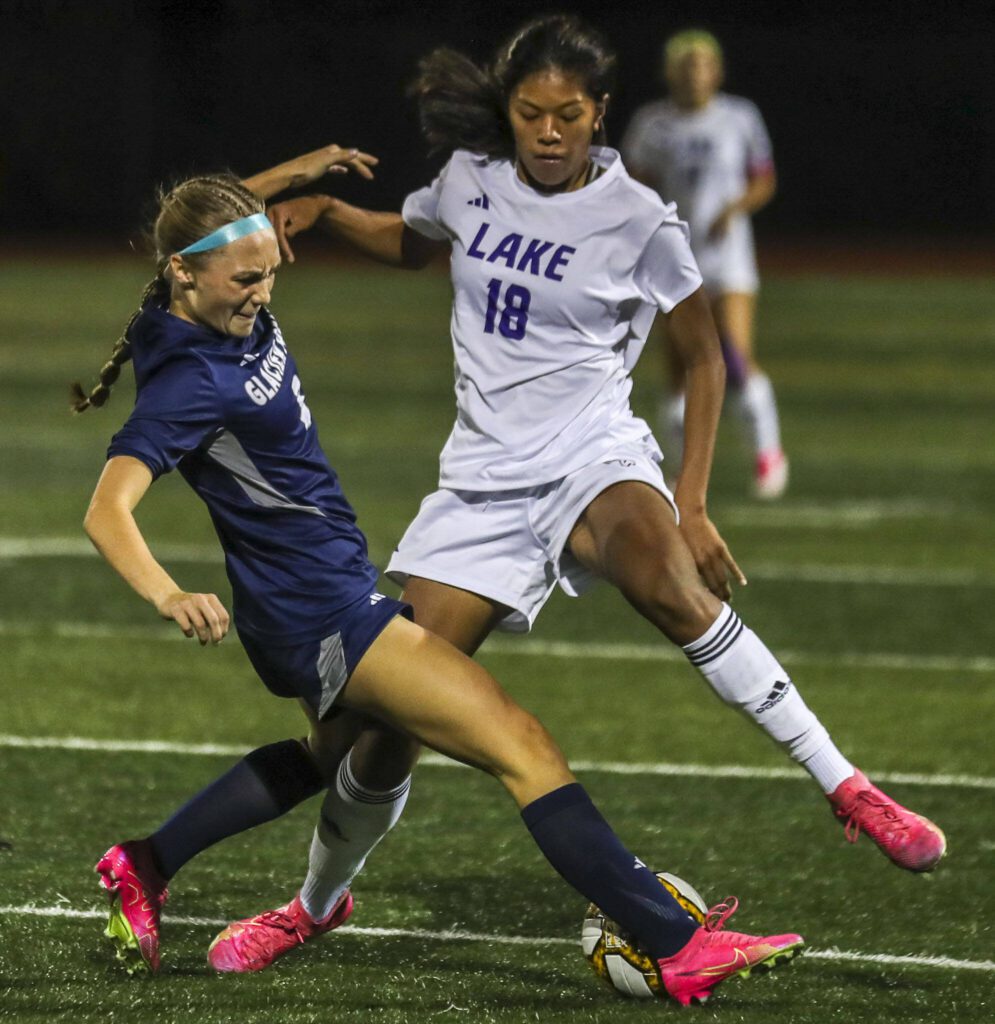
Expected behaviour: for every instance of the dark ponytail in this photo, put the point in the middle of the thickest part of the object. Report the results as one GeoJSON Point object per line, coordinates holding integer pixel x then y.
{"type": "Point", "coordinates": [464, 106]}
{"type": "Point", "coordinates": [460, 106]}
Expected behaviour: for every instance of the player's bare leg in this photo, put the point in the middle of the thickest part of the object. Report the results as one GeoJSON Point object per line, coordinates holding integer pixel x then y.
{"type": "Point", "coordinates": [734, 314]}
{"type": "Point", "coordinates": [417, 682]}
{"type": "Point", "coordinates": [629, 536]}
{"type": "Point", "coordinates": [463, 618]}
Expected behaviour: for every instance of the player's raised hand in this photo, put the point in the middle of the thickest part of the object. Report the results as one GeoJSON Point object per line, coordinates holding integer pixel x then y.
{"type": "Point", "coordinates": [302, 170]}
{"type": "Point", "coordinates": [293, 216]}
{"type": "Point", "coordinates": [198, 615]}
{"type": "Point", "coordinates": [713, 559]}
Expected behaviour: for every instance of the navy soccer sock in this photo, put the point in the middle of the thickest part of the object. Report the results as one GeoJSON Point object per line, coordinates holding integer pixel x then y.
{"type": "Point", "coordinates": [581, 845]}
{"type": "Point", "coordinates": [265, 784]}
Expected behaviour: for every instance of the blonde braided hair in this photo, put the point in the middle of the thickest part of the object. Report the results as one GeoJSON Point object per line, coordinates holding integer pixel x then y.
{"type": "Point", "coordinates": [187, 212]}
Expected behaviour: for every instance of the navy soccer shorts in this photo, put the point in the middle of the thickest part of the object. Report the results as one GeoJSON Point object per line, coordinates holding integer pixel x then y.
{"type": "Point", "coordinates": [317, 670]}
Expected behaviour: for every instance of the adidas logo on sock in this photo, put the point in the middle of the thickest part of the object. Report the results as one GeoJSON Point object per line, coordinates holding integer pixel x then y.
{"type": "Point", "coordinates": [776, 695]}
{"type": "Point", "coordinates": [482, 201]}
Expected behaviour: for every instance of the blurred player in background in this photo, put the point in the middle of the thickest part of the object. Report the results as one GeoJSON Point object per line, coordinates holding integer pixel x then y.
{"type": "Point", "coordinates": [710, 153]}
{"type": "Point", "coordinates": [220, 399]}
{"type": "Point", "coordinates": [559, 263]}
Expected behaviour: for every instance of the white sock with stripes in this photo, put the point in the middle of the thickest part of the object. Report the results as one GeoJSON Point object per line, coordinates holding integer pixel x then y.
{"type": "Point", "coordinates": [744, 673]}
{"type": "Point", "coordinates": [353, 820]}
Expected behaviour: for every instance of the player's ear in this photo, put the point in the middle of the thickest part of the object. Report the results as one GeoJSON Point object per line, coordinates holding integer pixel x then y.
{"type": "Point", "coordinates": [601, 107]}
{"type": "Point", "coordinates": [181, 273]}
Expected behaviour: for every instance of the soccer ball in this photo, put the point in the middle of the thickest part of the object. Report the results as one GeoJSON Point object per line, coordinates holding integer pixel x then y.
{"type": "Point", "coordinates": [620, 962]}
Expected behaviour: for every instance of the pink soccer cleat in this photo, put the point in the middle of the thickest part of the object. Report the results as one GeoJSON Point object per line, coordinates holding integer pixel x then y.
{"type": "Point", "coordinates": [255, 942]}
{"type": "Point", "coordinates": [904, 837]}
{"type": "Point", "coordinates": [770, 478]}
{"type": "Point", "coordinates": [713, 955]}
{"type": "Point", "coordinates": [137, 893]}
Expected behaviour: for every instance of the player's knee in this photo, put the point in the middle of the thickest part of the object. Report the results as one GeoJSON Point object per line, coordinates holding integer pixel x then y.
{"type": "Point", "coordinates": [382, 758]}
{"type": "Point", "coordinates": [681, 608]}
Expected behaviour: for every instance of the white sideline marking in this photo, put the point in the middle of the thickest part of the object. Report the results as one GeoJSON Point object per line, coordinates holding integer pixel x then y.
{"type": "Point", "coordinates": [80, 547]}
{"type": "Point", "coordinates": [844, 513]}
{"type": "Point", "coordinates": [884, 575]}
{"type": "Point", "coordinates": [541, 648]}
{"type": "Point", "coordinates": [710, 771]}
{"type": "Point", "coordinates": [884, 959]}
{"type": "Point", "coordinates": [666, 652]}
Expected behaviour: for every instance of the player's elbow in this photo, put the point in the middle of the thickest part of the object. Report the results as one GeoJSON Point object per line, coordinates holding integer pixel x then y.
{"type": "Point", "coordinates": [417, 251]}
{"type": "Point", "coordinates": [94, 520]}
{"type": "Point", "coordinates": [101, 520]}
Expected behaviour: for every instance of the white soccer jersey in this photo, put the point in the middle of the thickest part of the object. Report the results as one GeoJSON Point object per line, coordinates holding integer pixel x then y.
{"type": "Point", "coordinates": [700, 160]}
{"type": "Point", "coordinates": [553, 299]}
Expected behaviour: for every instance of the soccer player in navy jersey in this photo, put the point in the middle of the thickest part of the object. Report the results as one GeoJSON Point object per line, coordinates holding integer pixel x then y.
{"type": "Point", "coordinates": [220, 399]}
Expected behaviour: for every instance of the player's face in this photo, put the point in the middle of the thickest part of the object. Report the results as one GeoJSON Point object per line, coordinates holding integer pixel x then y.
{"type": "Point", "coordinates": [553, 119]}
{"type": "Point", "coordinates": [234, 283]}
{"type": "Point", "coordinates": [695, 78]}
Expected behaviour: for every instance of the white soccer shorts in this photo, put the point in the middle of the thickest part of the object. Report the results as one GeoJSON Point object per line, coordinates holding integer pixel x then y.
{"type": "Point", "coordinates": [728, 264]}
{"type": "Point", "coordinates": [507, 546]}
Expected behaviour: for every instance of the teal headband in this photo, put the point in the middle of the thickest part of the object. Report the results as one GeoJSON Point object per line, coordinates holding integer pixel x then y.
{"type": "Point", "coordinates": [229, 233]}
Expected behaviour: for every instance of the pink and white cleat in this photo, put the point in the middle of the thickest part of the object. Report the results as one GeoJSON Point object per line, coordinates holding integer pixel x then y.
{"type": "Point", "coordinates": [255, 942]}
{"type": "Point", "coordinates": [904, 837]}
{"type": "Point", "coordinates": [713, 955]}
{"type": "Point", "coordinates": [137, 893]}
{"type": "Point", "coordinates": [770, 479]}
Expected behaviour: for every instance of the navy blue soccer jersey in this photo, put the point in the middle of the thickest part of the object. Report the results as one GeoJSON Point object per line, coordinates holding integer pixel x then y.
{"type": "Point", "coordinates": [230, 414]}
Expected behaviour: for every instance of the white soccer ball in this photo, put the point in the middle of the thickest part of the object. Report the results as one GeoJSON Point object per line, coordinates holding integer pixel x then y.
{"type": "Point", "coordinates": [617, 960]}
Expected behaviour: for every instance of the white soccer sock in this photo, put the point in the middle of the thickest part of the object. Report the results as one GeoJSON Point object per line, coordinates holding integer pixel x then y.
{"type": "Point", "coordinates": [744, 673]}
{"type": "Point", "coordinates": [671, 423]}
{"type": "Point", "coordinates": [757, 410]}
{"type": "Point", "coordinates": [353, 820]}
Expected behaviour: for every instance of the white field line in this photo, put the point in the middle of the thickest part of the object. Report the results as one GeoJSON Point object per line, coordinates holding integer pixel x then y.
{"type": "Point", "coordinates": [846, 513]}
{"type": "Point", "coordinates": [710, 771]}
{"type": "Point", "coordinates": [12, 548]}
{"type": "Point", "coordinates": [881, 959]}
{"type": "Point", "coordinates": [661, 652]}
{"type": "Point", "coordinates": [666, 652]}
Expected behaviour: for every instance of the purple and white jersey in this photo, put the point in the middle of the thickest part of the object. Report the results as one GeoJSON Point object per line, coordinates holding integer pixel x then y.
{"type": "Point", "coordinates": [702, 159]}
{"type": "Point", "coordinates": [553, 298]}
{"type": "Point", "coordinates": [230, 414]}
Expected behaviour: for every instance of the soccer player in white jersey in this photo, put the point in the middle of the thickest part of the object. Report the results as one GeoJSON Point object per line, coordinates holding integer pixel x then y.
{"type": "Point", "coordinates": [710, 153]}
{"type": "Point", "coordinates": [559, 263]}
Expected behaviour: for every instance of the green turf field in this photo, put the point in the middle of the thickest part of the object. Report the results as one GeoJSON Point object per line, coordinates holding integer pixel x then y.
{"type": "Point", "coordinates": [872, 578]}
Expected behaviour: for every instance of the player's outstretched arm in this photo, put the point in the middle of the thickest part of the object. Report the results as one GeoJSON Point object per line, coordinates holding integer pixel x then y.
{"type": "Point", "coordinates": [382, 236]}
{"type": "Point", "coordinates": [309, 167]}
{"type": "Point", "coordinates": [691, 329]}
{"type": "Point", "coordinates": [110, 524]}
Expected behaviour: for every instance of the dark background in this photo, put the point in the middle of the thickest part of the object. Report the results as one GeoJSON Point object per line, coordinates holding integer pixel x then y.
{"type": "Point", "coordinates": [881, 113]}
